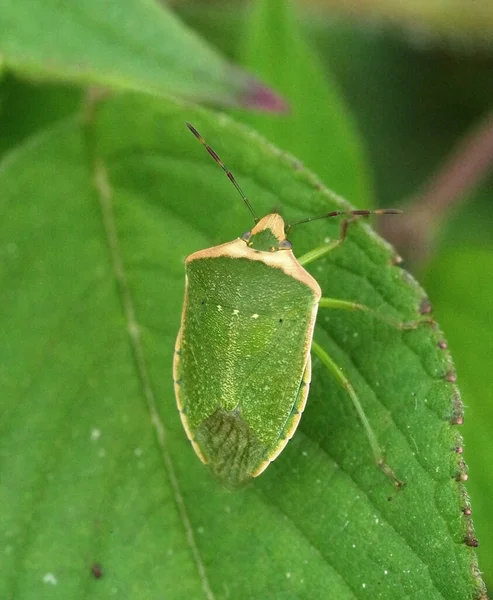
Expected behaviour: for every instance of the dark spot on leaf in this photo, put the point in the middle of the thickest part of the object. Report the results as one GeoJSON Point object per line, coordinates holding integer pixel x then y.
{"type": "Point", "coordinates": [451, 376]}
{"type": "Point", "coordinates": [470, 540]}
{"type": "Point", "coordinates": [467, 511]}
{"type": "Point", "coordinates": [425, 308]}
{"type": "Point", "coordinates": [459, 449]}
{"type": "Point", "coordinates": [97, 571]}
{"type": "Point", "coordinates": [442, 345]}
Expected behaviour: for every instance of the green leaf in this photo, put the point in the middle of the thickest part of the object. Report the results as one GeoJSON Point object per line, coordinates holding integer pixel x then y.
{"type": "Point", "coordinates": [318, 129]}
{"type": "Point", "coordinates": [461, 286]}
{"type": "Point", "coordinates": [27, 107]}
{"type": "Point", "coordinates": [95, 465]}
{"type": "Point", "coordinates": [129, 44]}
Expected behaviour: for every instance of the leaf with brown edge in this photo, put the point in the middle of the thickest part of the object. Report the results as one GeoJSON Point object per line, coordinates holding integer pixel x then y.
{"type": "Point", "coordinates": [96, 468]}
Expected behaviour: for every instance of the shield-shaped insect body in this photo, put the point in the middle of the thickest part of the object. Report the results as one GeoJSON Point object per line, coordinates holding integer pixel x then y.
{"type": "Point", "coordinates": [242, 363]}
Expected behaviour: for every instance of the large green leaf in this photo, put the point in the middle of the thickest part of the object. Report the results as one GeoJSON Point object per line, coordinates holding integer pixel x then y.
{"type": "Point", "coordinates": [318, 128]}
{"type": "Point", "coordinates": [26, 107]}
{"type": "Point", "coordinates": [131, 44]}
{"type": "Point", "coordinates": [95, 466]}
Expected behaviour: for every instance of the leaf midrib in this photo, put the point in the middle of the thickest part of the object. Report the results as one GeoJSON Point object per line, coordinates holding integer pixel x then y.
{"type": "Point", "coordinates": [104, 194]}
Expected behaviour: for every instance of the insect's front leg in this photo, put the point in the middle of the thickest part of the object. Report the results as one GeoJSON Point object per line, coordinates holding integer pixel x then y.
{"type": "Point", "coordinates": [336, 303]}
{"type": "Point", "coordinates": [321, 251]}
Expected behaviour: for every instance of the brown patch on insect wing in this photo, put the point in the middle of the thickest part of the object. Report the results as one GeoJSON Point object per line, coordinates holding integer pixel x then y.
{"type": "Point", "coordinates": [283, 259]}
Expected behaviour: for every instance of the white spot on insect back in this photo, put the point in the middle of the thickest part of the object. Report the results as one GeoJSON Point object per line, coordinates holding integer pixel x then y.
{"type": "Point", "coordinates": [50, 578]}
{"type": "Point", "coordinates": [255, 316]}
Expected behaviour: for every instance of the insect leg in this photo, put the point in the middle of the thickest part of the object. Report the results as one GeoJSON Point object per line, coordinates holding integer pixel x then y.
{"type": "Point", "coordinates": [355, 306]}
{"type": "Point", "coordinates": [346, 385]}
{"type": "Point", "coordinates": [321, 251]}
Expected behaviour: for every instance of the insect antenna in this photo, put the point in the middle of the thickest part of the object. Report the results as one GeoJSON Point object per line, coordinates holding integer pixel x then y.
{"type": "Point", "coordinates": [349, 213]}
{"type": "Point", "coordinates": [224, 168]}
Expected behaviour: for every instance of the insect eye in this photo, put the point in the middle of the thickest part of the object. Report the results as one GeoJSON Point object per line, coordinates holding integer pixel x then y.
{"type": "Point", "coordinates": [246, 236]}
{"type": "Point", "coordinates": [285, 245]}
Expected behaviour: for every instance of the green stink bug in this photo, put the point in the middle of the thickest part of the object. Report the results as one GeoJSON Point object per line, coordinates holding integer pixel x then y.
{"type": "Point", "coordinates": [242, 364]}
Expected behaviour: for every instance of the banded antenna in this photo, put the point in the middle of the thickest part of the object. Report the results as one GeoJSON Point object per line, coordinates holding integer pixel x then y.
{"type": "Point", "coordinates": [225, 169]}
